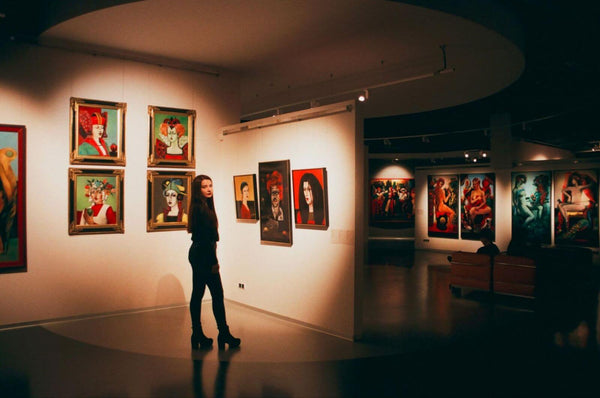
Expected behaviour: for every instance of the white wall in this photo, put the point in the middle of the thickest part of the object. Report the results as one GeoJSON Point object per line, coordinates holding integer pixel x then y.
{"type": "Point", "coordinates": [84, 274]}
{"type": "Point", "coordinates": [313, 281]}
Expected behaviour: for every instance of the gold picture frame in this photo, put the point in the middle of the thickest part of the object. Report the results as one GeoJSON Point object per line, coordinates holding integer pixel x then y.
{"type": "Point", "coordinates": [95, 201]}
{"type": "Point", "coordinates": [97, 132]}
{"type": "Point", "coordinates": [171, 137]}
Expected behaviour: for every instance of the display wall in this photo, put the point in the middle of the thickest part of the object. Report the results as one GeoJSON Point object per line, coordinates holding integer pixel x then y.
{"type": "Point", "coordinates": [315, 280]}
{"type": "Point", "coordinates": [69, 276]}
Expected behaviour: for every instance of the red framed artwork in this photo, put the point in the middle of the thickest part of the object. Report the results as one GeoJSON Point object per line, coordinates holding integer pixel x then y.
{"type": "Point", "coordinates": [310, 198]}
{"type": "Point", "coordinates": [13, 240]}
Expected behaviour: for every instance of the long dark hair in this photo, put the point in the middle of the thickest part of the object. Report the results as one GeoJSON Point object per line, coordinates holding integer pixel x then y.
{"type": "Point", "coordinates": [200, 205]}
{"type": "Point", "coordinates": [317, 192]}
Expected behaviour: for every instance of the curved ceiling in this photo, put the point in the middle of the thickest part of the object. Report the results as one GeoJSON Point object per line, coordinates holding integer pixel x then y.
{"type": "Point", "coordinates": [296, 51]}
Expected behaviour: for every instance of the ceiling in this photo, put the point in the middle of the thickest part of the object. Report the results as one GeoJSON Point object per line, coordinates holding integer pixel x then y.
{"type": "Point", "coordinates": [527, 57]}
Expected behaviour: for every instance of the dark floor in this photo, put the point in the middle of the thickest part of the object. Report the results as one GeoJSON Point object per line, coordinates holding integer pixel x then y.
{"type": "Point", "coordinates": [419, 341]}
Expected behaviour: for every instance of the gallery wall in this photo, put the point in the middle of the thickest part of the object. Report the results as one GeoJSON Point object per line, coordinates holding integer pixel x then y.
{"type": "Point", "coordinates": [89, 274]}
{"type": "Point", "coordinates": [313, 280]}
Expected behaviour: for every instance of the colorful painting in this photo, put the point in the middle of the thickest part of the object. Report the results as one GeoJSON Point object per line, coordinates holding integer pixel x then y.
{"type": "Point", "coordinates": [12, 199]}
{"type": "Point", "coordinates": [275, 203]}
{"type": "Point", "coordinates": [95, 201]}
{"type": "Point", "coordinates": [171, 137]}
{"type": "Point", "coordinates": [477, 201]}
{"type": "Point", "coordinates": [310, 198]}
{"type": "Point", "coordinates": [97, 132]}
{"type": "Point", "coordinates": [442, 214]}
{"type": "Point", "coordinates": [392, 202]}
{"type": "Point", "coordinates": [576, 208]}
{"type": "Point", "coordinates": [531, 211]}
{"type": "Point", "coordinates": [244, 187]}
{"type": "Point", "coordinates": [168, 194]}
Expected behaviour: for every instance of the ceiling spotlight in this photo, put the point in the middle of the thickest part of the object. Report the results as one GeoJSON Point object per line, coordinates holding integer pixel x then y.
{"type": "Point", "coordinates": [364, 96]}
{"type": "Point", "coordinates": [484, 154]}
{"type": "Point", "coordinates": [466, 155]}
{"type": "Point", "coordinates": [474, 160]}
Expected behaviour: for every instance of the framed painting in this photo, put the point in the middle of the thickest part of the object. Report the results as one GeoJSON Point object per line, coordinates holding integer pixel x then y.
{"type": "Point", "coordinates": [95, 201]}
{"type": "Point", "coordinates": [576, 208]}
{"type": "Point", "coordinates": [168, 194]}
{"type": "Point", "coordinates": [442, 206]}
{"type": "Point", "coordinates": [13, 238]}
{"type": "Point", "coordinates": [392, 202]}
{"type": "Point", "coordinates": [275, 203]}
{"type": "Point", "coordinates": [171, 137]}
{"type": "Point", "coordinates": [244, 187]}
{"type": "Point", "coordinates": [477, 202]}
{"type": "Point", "coordinates": [97, 132]}
{"type": "Point", "coordinates": [531, 212]}
{"type": "Point", "coordinates": [310, 198]}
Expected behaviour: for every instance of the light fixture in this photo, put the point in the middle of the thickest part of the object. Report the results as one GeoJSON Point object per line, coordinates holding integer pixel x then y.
{"type": "Point", "coordinates": [364, 96]}
{"type": "Point", "coordinates": [474, 156]}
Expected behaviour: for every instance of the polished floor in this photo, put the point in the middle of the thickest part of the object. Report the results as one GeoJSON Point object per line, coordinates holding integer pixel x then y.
{"type": "Point", "coordinates": [419, 341]}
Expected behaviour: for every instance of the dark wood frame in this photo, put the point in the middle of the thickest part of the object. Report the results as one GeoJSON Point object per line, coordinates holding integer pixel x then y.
{"type": "Point", "coordinates": [298, 191]}
{"type": "Point", "coordinates": [283, 236]}
{"type": "Point", "coordinates": [251, 180]}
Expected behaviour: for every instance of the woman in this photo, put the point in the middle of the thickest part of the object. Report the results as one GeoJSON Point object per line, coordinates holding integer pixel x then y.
{"type": "Point", "coordinates": [244, 208]}
{"type": "Point", "coordinates": [203, 225]}
{"type": "Point", "coordinates": [173, 192]}
{"type": "Point", "coordinates": [311, 201]}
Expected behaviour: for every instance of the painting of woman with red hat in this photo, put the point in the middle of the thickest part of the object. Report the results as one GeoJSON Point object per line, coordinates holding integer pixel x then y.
{"type": "Point", "coordinates": [93, 133]}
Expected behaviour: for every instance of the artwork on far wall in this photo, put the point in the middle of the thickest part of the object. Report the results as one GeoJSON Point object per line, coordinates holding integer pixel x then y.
{"type": "Point", "coordinates": [244, 187]}
{"type": "Point", "coordinates": [392, 202]}
{"type": "Point", "coordinates": [275, 203]}
{"type": "Point", "coordinates": [443, 198]}
{"type": "Point", "coordinates": [576, 208]}
{"type": "Point", "coordinates": [168, 200]}
{"type": "Point", "coordinates": [310, 198]}
{"type": "Point", "coordinates": [531, 211]}
{"type": "Point", "coordinates": [95, 201]}
{"type": "Point", "coordinates": [477, 201]}
{"type": "Point", "coordinates": [97, 132]}
{"type": "Point", "coordinates": [13, 238]}
{"type": "Point", "coordinates": [171, 137]}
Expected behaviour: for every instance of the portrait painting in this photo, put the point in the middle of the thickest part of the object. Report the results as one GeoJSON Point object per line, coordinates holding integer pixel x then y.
{"type": "Point", "coordinates": [392, 202]}
{"type": "Point", "coordinates": [576, 208]}
{"type": "Point", "coordinates": [12, 199]}
{"type": "Point", "coordinates": [275, 203]}
{"type": "Point", "coordinates": [97, 132]}
{"type": "Point", "coordinates": [531, 211]}
{"type": "Point", "coordinates": [310, 198]}
{"type": "Point", "coordinates": [477, 201]}
{"type": "Point", "coordinates": [442, 206]}
{"type": "Point", "coordinates": [244, 187]}
{"type": "Point", "coordinates": [171, 137]}
{"type": "Point", "coordinates": [168, 200]}
{"type": "Point", "coordinates": [95, 201]}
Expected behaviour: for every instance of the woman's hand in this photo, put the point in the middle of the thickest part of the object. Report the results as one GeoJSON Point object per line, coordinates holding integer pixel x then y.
{"type": "Point", "coordinates": [215, 269]}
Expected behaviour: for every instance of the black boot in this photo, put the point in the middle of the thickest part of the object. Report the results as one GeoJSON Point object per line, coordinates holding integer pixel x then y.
{"type": "Point", "coordinates": [226, 338]}
{"type": "Point", "coordinates": [198, 338]}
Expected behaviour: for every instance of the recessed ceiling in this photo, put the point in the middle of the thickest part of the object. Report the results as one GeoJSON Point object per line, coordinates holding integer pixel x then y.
{"type": "Point", "coordinates": [292, 51]}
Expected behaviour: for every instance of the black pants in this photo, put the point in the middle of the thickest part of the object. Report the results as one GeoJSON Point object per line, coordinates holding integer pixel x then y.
{"type": "Point", "coordinates": [202, 279]}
